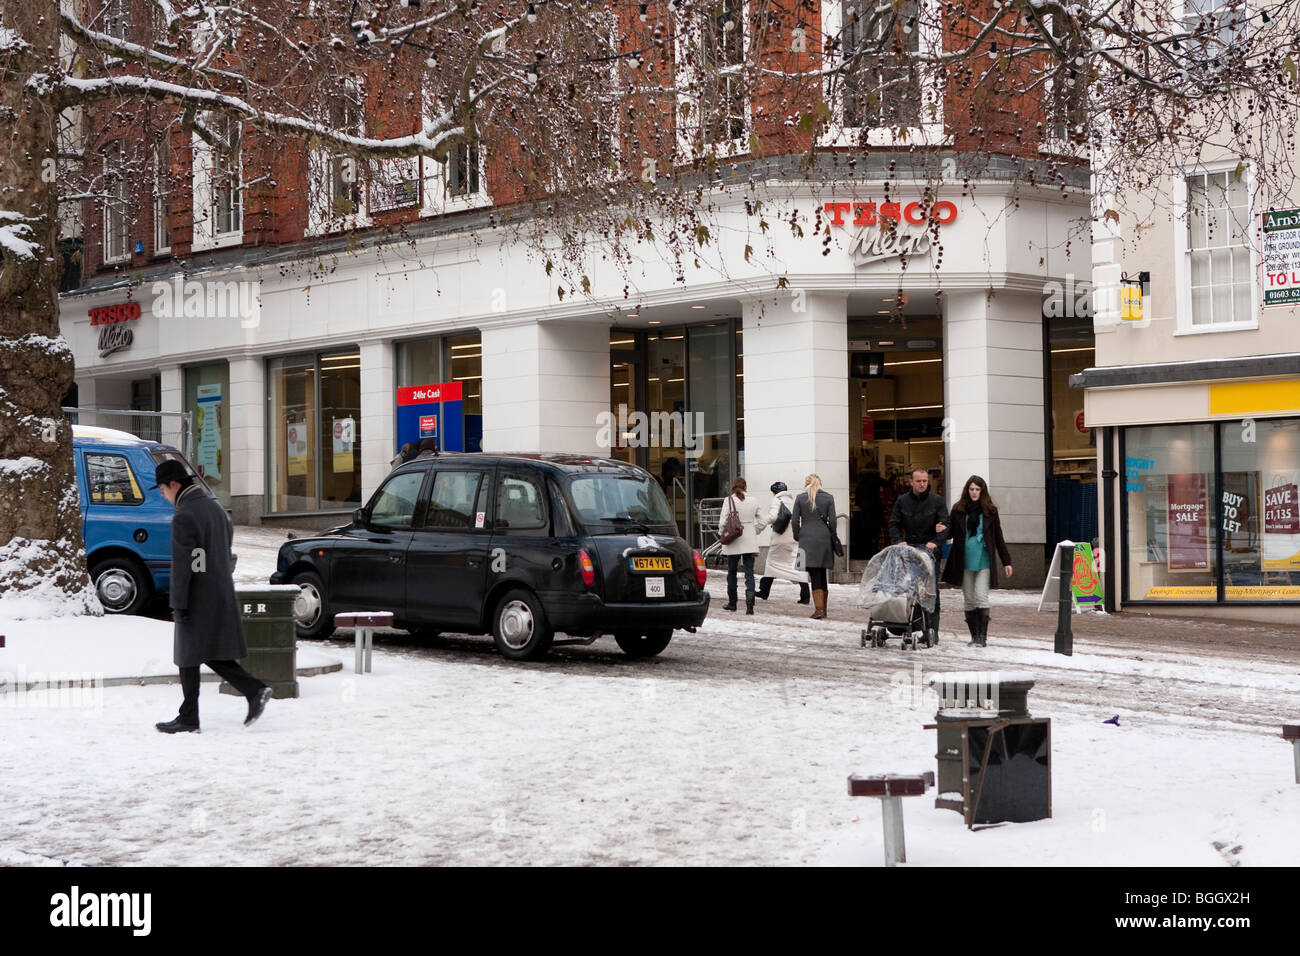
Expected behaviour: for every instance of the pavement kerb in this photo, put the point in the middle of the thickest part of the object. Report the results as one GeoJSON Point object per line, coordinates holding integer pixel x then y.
{"type": "Point", "coordinates": [315, 671]}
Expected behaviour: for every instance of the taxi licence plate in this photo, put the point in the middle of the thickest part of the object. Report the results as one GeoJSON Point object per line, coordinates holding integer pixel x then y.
{"type": "Point", "coordinates": [651, 564]}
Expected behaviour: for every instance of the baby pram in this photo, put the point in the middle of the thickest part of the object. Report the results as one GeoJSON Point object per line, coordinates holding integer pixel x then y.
{"type": "Point", "coordinates": [898, 589]}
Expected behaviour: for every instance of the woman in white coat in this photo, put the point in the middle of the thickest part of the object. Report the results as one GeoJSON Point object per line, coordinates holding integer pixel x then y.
{"type": "Point", "coordinates": [783, 554]}
{"type": "Point", "coordinates": [745, 547]}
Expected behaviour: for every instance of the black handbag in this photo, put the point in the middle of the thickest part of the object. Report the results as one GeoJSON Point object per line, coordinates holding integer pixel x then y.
{"type": "Point", "coordinates": [782, 520]}
{"type": "Point", "coordinates": [836, 545]}
{"type": "Point", "coordinates": [731, 526]}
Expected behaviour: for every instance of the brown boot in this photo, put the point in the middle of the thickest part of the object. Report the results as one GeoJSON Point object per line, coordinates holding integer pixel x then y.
{"type": "Point", "coordinates": [819, 602]}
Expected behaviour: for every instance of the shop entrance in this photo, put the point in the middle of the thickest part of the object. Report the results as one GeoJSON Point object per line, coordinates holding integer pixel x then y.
{"type": "Point", "coordinates": [675, 397]}
{"type": "Point", "coordinates": [895, 420]}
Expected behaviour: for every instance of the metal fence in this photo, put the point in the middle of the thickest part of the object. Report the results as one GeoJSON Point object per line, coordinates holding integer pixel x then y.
{"type": "Point", "coordinates": [170, 428]}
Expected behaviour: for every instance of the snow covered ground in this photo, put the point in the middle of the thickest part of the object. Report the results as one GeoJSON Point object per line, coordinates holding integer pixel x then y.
{"type": "Point", "coordinates": [733, 747]}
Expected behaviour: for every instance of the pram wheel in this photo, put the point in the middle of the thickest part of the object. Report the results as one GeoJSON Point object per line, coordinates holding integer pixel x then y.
{"type": "Point", "coordinates": [865, 635]}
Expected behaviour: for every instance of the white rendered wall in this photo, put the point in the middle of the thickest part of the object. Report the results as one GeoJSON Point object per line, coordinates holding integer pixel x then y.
{"type": "Point", "coordinates": [545, 386]}
{"type": "Point", "coordinates": [247, 428]}
{"type": "Point", "coordinates": [378, 414]}
{"type": "Point", "coordinates": [796, 394]}
{"type": "Point", "coordinates": [993, 396]}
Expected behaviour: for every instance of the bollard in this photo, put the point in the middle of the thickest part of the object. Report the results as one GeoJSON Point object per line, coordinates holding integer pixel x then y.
{"type": "Point", "coordinates": [1064, 635]}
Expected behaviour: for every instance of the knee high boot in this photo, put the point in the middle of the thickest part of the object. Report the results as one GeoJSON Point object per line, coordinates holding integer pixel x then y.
{"type": "Point", "coordinates": [731, 598]}
{"type": "Point", "coordinates": [973, 623]}
{"type": "Point", "coordinates": [819, 603]}
{"type": "Point", "coordinates": [803, 592]}
{"type": "Point", "coordinates": [749, 602]}
{"type": "Point", "coordinates": [984, 627]}
{"type": "Point", "coordinates": [764, 587]}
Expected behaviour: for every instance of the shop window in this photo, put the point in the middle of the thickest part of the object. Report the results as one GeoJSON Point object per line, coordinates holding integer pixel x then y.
{"type": "Point", "coordinates": [1169, 497]}
{"type": "Point", "coordinates": [207, 399]}
{"type": "Point", "coordinates": [454, 360]}
{"type": "Point", "coordinates": [111, 482]}
{"type": "Point", "coordinates": [314, 432]}
{"type": "Point", "coordinates": [1218, 272]}
{"type": "Point", "coordinates": [116, 209]}
{"type": "Point", "coordinates": [218, 184]}
{"type": "Point", "coordinates": [1261, 514]}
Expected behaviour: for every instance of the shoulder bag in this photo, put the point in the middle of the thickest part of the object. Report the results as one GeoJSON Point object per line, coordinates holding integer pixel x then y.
{"type": "Point", "coordinates": [782, 519]}
{"type": "Point", "coordinates": [836, 545]}
{"type": "Point", "coordinates": [731, 526]}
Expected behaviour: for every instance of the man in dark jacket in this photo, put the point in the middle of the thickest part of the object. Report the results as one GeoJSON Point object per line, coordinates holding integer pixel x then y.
{"type": "Point", "coordinates": [203, 598]}
{"type": "Point", "coordinates": [920, 519]}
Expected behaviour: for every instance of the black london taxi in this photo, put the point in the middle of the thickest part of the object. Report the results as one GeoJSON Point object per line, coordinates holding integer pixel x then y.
{"type": "Point", "coordinates": [520, 546]}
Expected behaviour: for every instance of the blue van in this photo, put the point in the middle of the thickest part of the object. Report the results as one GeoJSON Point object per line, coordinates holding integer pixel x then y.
{"type": "Point", "coordinates": [127, 527]}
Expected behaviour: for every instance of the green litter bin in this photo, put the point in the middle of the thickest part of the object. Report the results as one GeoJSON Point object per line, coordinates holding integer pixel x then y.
{"type": "Point", "coordinates": [266, 613]}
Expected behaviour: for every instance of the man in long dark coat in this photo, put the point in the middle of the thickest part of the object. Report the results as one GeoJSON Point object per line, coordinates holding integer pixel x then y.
{"type": "Point", "coordinates": [920, 519]}
{"type": "Point", "coordinates": [203, 598]}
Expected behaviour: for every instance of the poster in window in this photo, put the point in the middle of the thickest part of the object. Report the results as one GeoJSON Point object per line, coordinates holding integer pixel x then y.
{"type": "Point", "coordinates": [1281, 538]}
{"type": "Point", "coordinates": [1188, 517]}
{"type": "Point", "coordinates": [208, 427]}
{"type": "Point", "coordinates": [296, 434]}
{"type": "Point", "coordinates": [345, 431]}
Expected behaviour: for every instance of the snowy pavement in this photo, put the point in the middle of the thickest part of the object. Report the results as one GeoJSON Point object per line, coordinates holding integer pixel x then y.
{"type": "Point", "coordinates": [732, 747]}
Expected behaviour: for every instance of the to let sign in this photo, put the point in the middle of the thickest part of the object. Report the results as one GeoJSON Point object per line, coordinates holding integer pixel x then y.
{"type": "Point", "coordinates": [1280, 262]}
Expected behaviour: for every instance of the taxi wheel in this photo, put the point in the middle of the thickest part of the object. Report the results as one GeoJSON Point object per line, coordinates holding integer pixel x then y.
{"type": "Point", "coordinates": [121, 584]}
{"type": "Point", "coordinates": [519, 627]}
{"type": "Point", "coordinates": [311, 617]}
{"type": "Point", "coordinates": [648, 644]}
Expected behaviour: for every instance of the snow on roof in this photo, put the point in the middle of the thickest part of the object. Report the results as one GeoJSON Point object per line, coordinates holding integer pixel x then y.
{"type": "Point", "coordinates": [103, 434]}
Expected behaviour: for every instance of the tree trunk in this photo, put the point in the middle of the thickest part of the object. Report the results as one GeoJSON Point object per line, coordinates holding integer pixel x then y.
{"type": "Point", "coordinates": [42, 554]}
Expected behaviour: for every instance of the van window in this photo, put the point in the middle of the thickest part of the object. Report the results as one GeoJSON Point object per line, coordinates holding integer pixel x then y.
{"type": "Point", "coordinates": [456, 501]}
{"type": "Point", "coordinates": [519, 504]}
{"type": "Point", "coordinates": [111, 481]}
{"type": "Point", "coordinates": [394, 507]}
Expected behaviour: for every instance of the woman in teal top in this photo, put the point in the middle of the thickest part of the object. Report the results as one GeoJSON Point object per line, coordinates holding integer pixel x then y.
{"type": "Point", "coordinates": [976, 540]}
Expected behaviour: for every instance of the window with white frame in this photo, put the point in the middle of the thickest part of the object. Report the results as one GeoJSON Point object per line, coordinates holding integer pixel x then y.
{"type": "Point", "coordinates": [1218, 24]}
{"type": "Point", "coordinates": [723, 103]}
{"type": "Point", "coordinates": [458, 183]}
{"type": "Point", "coordinates": [113, 18]}
{"type": "Point", "coordinates": [337, 193]}
{"type": "Point", "coordinates": [880, 93]}
{"type": "Point", "coordinates": [218, 184]}
{"type": "Point", "coordinates": [116, 212]}
{"type": "Point", "coordinates": [1218, 265]}
{"type": "Point", "coordinates": [714, 117]}
{"type": "Point", "coordinates": [1066, 93]}
{"type": "Point", "coordinates": [161, 193]}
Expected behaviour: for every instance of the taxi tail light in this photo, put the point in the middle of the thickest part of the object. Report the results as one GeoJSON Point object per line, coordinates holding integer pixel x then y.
{"type": "Point", "coordinates": [588, 569]}
{"type": "Point", "coordinates": [701, 574]}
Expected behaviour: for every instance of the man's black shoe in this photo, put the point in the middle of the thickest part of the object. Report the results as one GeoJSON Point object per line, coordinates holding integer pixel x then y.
{"type": "Point", "coordinates": [176, 727]}
{"type": "Point", "coordinates": [257, 704]}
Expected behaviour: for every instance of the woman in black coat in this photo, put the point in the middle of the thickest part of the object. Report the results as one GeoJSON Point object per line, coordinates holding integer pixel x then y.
{"type": "Point", "coordinates": [811, 521]}
{"type": "Point", "coordinates": [977, 547]}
